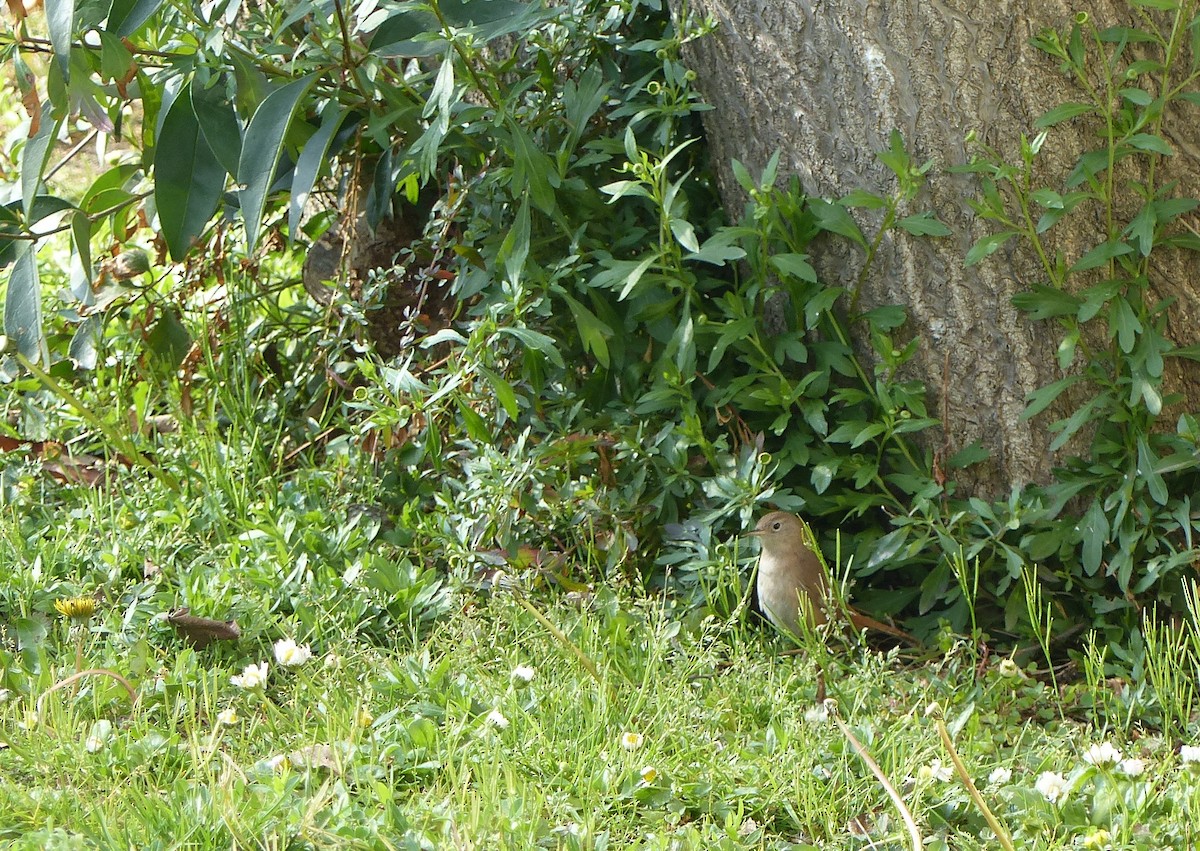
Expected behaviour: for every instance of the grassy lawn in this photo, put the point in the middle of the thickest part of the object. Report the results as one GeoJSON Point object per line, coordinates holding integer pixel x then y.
{"type": "Point", "coordinates": [485, 596]}
{"type": "Point", "coordinates": [449, 706]}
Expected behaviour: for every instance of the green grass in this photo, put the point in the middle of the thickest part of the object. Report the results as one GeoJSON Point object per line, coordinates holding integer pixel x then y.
{"type": "Point", "coordinates": [648, 723]}
{"type": "Point", "coordinates": [698, 734]}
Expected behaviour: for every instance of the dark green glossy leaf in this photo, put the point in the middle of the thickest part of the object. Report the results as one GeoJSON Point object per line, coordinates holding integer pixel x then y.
{"type": "Point", "coordinates": [188, 178]}
{"type": "Point", "coordinates": [219, 124]}
{"type": "Point", "coordinates": [126, 17]}
{"type": "Point", "coordinates": [23, 305]}
{"type": "Point", "coordinates": [262, 150]}
{"type": "Point", "coordinates": [311, 161]}
{"type": "Point", "coordinates": [34, 157]}
{"type": "Point", "coordinates": [60, 21]}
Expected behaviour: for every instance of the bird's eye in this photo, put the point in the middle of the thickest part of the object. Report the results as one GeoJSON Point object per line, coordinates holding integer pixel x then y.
{"type": "Point", "coordinates": [776, 525]}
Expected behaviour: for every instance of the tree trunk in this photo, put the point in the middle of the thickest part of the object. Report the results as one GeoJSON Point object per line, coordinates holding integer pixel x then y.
{"type": "Point", "coordinates": [827, 81]}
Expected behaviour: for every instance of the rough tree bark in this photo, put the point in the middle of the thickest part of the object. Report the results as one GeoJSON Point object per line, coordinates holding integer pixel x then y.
{"type": "Point", "coordinates": [827, 81]}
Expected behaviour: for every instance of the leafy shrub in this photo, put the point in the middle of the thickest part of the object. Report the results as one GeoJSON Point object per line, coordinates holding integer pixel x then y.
{"type": "Point", "coordinates": [622, 376]}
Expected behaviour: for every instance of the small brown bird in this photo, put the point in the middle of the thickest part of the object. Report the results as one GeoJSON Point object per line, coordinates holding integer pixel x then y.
{"type": "Point", "coordinates": [792, 581]}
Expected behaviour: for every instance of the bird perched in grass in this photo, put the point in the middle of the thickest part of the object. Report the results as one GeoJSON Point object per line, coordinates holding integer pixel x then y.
{"type": "Point", "coordinates": [792, 582]}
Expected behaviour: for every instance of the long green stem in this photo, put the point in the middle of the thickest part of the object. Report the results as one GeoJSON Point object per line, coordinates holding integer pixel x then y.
{"type": "Point", "coordinates": [972, 790]}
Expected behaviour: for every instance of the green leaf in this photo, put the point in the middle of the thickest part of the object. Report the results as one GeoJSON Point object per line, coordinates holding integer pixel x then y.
{"type": "Point", "coordinates": [822, 475]}
{"type": "Point", "coordinates": [250, 87]}
{"type": "Point", "coordinates": [719, 249]}
{"type": "Point", "coordinates": [34, 156]}
{"type": "Point", "coordinates": [682, 345]}
{"type": "Point", "coordinates": [733, 331]}
{"type": "Point", "coordinates": [987, 246]}
{"type": "Point", "coordinates": [1095, 533]}
{"type": "Point", "coordinates": [1063, 112]}
{"type": "Point", "coordinates": [515, 247]}
{"type": "Point", "coordinates": [923, 224]}
{"type": "Point", "coordinates": [973, 453]}
{"type": "Point", "coordinates": [1142, 389]}
{"type": "Point", "coordinates": [1147, 471]}
{"type": "Point", "coordinates": [1138, 97]}
{"type": "Point", "coordinates": [60, 21]}
{"type": "Point", "coordinates": [886, 317]}
{"type": "Point", "coordinates": [1124, 324]}
{"type": "Point", "coordinates": [442, 93]}
{"type": "Point", "coordinates": [1047, 198]}
{"type": "Point", "coordinates": [887, 549]}
{"type": "Point", "coordinates": [864, 199]}
{"type": "Point", "coordinates": [1067, 428]}
{"type": "Point", "coordinates": [1042, 302]}
{"type": "Point", "coordinates": [626, 273]}
{"type": "Point", "coordinates": [593, 332]}
{"type": "Point", "coordinates": [1125, 35]}
{"type": "Point", "coordinates": [310, 162]}
{"type": "Point", "coordinates": [219, 124]}
{"type": "Point", "coordinates": [115, 58]}
{"type": "Point", "coordinates": [816, 306]}
{"type": "Point", "coordinates": [504, 391]}
{"type": "Point", "coordinates": [795, 265]}
{"type": "Point", "coordinates": [532, 168]}
{"type": "Point", "coordinates": [30, 632]}
{"type": "Point", "coordinates": [1040, 399]}
{"type": "Point", "coordinates": [169, 340]}
{"type": "Point", "coordinates": [685, 234]}
{"type": "Point", "coordinates": [1101, 254]}
{"type": "Point", "coordinates": [81, 258]}
{"type": "Point", "coordinates": [1191, 352]}
{"type": "Point", "coordinates": [1150, 142]}
{"type": "Point", "coordinates": [1141, 229]}
{"type": "Point", "coordinates": [23, 305]}
{"type": "Point", "coordinates": [126, 17]}
{"type": "Point", "coordinates": [410, 33]}
{"type": "Point", "coordinates": [262, 149]}
{"type": "Point", "coordinates": [742, 176]}
{"type": "Point", "coordinates": [581, 99]}
{"type": "Point", "coordinates": [188, 179]}
{"type": "Point", "coordinates": [476, 428]}
{"type": "Point", "coordinates": [537, 341]}
{"type": "Point", "coordinates": [82, 349]}
{"type": "Point", "coordinates": [835, 219]}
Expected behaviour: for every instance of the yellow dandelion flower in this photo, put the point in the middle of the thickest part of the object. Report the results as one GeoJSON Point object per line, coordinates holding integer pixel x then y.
{"type": "Point", "coordinates": [76, 608]}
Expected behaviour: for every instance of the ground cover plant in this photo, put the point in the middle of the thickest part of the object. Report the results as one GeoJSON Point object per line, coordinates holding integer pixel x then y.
{"type": "Point", "coordinates": [486, 590]}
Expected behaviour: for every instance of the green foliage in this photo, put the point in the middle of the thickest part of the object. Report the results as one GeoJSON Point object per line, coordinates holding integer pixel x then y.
{"type": "Point", "coordinates": [625, 375]}
{"type": "Point", "coordinates": [1118, 523]}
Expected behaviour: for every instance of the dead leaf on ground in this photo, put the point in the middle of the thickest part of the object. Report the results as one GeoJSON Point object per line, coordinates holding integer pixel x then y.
{"type": "Point", "coordinates": [201, 632]}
